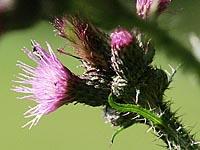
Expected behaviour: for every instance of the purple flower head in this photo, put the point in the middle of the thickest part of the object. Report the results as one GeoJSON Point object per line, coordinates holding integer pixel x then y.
{"type": "Point", "coordinates": [146, 7]}
{"type": "Point", "coordinates": [120, 38]}
{"type": "Point", "coordinates": [49, 84]}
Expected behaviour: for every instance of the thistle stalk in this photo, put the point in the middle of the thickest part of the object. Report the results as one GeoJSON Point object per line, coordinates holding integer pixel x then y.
{"type": "Point", "coordinates": [167, 125]}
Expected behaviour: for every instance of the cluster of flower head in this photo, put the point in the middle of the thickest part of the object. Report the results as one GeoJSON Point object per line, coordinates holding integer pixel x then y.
{"type": "Point", "coordinates": [117, 63]}
{"type": "Point", "coordinates": [114, 63]}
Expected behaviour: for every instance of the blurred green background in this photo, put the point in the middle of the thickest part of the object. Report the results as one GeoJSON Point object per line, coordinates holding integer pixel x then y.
{"type": "Point", "coordinates": [82, 127]}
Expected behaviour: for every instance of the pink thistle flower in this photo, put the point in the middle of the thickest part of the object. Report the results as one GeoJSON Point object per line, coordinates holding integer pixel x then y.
{"type": "Point", "coordinates": [51, 83]}
{"type": "Point", "coordinates": [120, 38]}
{"type": "Point", "coordinates": [145, 7]}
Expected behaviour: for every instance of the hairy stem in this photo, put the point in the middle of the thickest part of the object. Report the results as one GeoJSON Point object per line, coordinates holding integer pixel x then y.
{"type": "Point", "coordinates": [167, 125]}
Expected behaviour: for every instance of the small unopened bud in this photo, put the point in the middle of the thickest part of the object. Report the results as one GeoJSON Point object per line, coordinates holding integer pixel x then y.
{"type": "Point", "coordinates": [146, 8]}
{"type": "Point", "coordinates": [120, 38]}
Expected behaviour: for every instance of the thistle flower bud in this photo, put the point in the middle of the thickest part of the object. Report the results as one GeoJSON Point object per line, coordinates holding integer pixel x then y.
{"type": "Point", "coordinates": [90, 44]}
{"type": "Point", "coordinates": [120, 38]}
{"type": "Point", "coordinates": [146, 8]}
{"type": "Point", "coordinates": [130, 53]}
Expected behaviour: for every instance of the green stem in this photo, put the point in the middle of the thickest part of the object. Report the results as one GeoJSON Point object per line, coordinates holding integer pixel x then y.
{"type": "Point", "coordinates": [167, 126]}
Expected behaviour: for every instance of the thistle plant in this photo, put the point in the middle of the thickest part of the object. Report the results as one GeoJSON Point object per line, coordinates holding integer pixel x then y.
{"type": "Point", "coordinates": [118, 67]}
